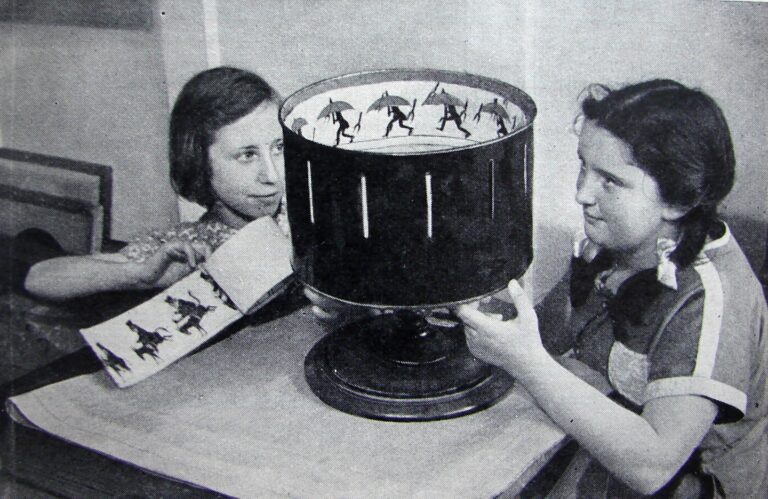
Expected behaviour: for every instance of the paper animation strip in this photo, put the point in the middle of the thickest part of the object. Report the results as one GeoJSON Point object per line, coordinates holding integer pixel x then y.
{"type": "Point", "coordinates": [244, 274]}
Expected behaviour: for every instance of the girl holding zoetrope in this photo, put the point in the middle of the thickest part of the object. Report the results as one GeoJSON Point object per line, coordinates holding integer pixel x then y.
{"type": "Point", "coordinates": [667, 335]}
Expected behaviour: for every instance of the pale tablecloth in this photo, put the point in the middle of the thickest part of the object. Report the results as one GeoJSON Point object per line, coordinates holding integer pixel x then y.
{"type": "Point", "coordinates": [239, 418]}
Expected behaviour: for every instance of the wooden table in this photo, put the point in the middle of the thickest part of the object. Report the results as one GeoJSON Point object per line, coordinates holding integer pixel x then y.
{"type": "Point", "coordinates": [301, 447]}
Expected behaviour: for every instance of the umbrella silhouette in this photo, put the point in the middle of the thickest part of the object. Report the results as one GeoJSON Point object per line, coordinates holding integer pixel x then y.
{"type": "Point", "coordinates": [387, 100]}
{"type": "Point", "coordinates": [442, 99]}
{"type": "Point", "coordinates": [334, 107]}
{"type": "Point", "coordinates": [298, 123]}
{"type": "Point", "coordinates": [493, 108]}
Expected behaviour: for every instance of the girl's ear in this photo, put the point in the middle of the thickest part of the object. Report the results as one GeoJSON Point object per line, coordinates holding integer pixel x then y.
{"type": "Point", "coordinates": [673, 213]}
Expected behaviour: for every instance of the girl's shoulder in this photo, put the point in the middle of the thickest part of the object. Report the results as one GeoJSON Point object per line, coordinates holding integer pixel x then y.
{"type": "Point", "coordinates": [723, 267]}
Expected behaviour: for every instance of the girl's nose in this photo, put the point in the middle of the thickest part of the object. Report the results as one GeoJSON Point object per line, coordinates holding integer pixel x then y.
{"type": "Point", "coordinates": [268, 173]}
{"type": "Point", "coordinates": [585, 194]}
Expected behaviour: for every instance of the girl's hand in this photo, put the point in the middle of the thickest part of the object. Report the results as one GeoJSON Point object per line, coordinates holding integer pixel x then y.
{"type": "Point", "coordinates": [332, 313]}
{"type": "Point", "coordinates": [173, 261]}
{"type": "Point", "coordinates": [503, 343]}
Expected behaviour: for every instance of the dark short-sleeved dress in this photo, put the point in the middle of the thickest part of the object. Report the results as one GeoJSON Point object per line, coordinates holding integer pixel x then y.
{"type": "Point", "coordinates": [705, 334]}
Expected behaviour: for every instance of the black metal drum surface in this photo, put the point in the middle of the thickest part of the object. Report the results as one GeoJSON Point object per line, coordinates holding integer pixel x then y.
{"type": "Point", "coordinates": [409, 188]}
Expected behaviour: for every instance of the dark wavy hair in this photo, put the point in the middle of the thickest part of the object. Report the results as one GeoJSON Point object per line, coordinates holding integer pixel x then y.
{"type": "Point", "coordinates": [209, 101]}
{"type": "Point", "coordinates": [678, 136]}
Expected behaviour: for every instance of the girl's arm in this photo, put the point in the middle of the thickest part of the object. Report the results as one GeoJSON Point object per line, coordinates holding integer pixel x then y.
{"type": "Point", "coordinates": [76, 276]}
{"type": "Point", "coordinates": [644, 451]}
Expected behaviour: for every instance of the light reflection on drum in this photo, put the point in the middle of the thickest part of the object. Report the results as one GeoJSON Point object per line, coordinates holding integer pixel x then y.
{"type": "Point", "coordinates": [409, 188]}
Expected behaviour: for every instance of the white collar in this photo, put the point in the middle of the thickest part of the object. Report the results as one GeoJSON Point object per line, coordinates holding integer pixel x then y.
{"type": "Point", "coordinates": [666, 269]}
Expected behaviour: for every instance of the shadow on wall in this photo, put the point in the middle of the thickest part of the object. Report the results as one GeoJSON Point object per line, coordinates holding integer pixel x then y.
{"type": "Point", "coordinates": [551, 257]}
{"type": "Point", "coordinates": [21, 252]}
{"type": "Point", "coordinates": [752, 237]}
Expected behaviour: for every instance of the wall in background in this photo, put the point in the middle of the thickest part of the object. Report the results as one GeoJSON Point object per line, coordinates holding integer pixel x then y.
{"type": "Point", "coordinates": [297, 42]}
{"type": "Point", "coordinates": [92, 94]}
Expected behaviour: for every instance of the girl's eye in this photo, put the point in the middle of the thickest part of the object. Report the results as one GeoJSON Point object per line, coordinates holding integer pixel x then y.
{"type": "Point", "coordinates": [610, 182]}
{"type": "Point", "coordinates": [277, 147]}
{"type": "Point", "coordinates": [247, 156]}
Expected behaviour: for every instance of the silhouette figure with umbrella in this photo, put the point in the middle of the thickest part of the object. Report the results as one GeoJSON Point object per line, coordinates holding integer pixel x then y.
{"type": "Point", "coordinates": [498, 112]}
{"type": "Point", "coordinates": [449, 103]}
{"type": "Point", "coordinates": [297, 125]}
{"type": "Point", "coordinates": [334, 110]}
{"type": "Point", "coordinates": [392, 103]}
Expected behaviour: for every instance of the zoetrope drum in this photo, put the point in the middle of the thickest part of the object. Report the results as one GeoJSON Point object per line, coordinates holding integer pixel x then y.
{"type": "Point", "coordinates": [409, 189]}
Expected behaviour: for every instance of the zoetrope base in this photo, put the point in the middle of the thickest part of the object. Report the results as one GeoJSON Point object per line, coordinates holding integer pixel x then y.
{"type": "Point", "coordinates": [400, 367]}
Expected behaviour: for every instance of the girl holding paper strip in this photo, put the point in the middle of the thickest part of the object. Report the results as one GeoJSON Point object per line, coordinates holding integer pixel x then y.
{"type": "Point", "coordinates": [226, 154]}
